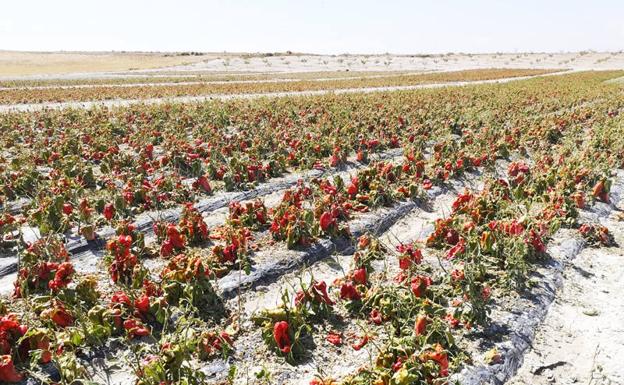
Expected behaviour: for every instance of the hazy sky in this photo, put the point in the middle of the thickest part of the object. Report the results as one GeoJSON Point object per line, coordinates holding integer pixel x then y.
{"type": "Point", "coordinates": [321, 26]}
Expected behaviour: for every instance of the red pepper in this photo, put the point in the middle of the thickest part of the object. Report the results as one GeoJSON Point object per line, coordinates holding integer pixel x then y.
{"type": "Point", "coordinates": [334, 338]}
{"type": "Point", "coordinates": [142, 303]}
{"type": "Point", "coordinates": [412, 256]}
{"type": "Point", "coordinates": [61, 317]}
{"type": "Point", "coordinates": [7, 370]}
{"type": "Point", "coordinates": [486, 292]}
{"type": "Point", "coordinates": [456, 250]}
{"type": "Point", "coordinates": [375, 316]}
{"type": "Point", "coordinates": [166, 249]}
{"type": "Point", "coordinates": [536, 242]}
{"type": "Point", "coordinates": [439, 355]}
{"type": "Point", "coordinates": [62, 277]}
{"type": "Point", "coordinates": [135, 328]}
{"type": "Point", "coordinates": [359, 276]}
{"type": "Point", "coordinates": [348, 291]}
{"type": "Point", "coordinates": [454, 322]}
{"type": "Point", "coordinates": [421, 324]}
{"type": "Point", "coordinates": [116, 315]}
{"type": "Point", "coordinates": [363, 241]}
{"type": "Point", "coordinates": [353, 188]}
{"type": "Point", "coordinates": [173, 235]}
{"type": "Point", "coordinates": [451, 237]}
{"type": "Point", "coordinates": [9, 322]}
{"type": "Point", "coordinates": [326, 221]}
{"type": "Point", "coordinates": [121, 297]}
{"type": "Point", "coordinates": [68, 208]}
{"type": "Point", "coordinates": [282, 339]}
{"type": "Point", "coordinates": [203, 183]}
{"type": "Point", "coordinates": [419, 284]}
{"type": "Point", "coordinates": [109, 211]}
{"type": "Point", "coordinates": [457, 275]}
{"type": "Point", "coordinates": [321, 292]}
{"type": "Point", "coordinates": [361, 343]}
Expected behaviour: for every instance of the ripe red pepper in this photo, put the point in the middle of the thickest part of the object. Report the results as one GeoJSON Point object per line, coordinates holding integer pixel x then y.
{"type": "Point", "coordinates": [61, 317]}
{"type": "Point", "coordinates": [62, 277]}
{"type": "Point", "coordinates": [321, 291]}
{"type": "Point", "coordinates": [7, 370]}
{"type": "Point", "coordinates": [68, 208]}
{"type": "Point", "coordinates": [135, 328]}
{"type": "Point", "coordinates": [109, 211]}
{"type": "Point", "coordinates": [456, 250]}
{"type": "Point", "coordinates": [360, 344]}
{"type": "Point", "coordinates": [167, 248]}
{"type": "Point", "coordinates": [142, 303]}
{"type": "Point", "coordinates": [359, 276]}
{"type": "Point", "coordinates": [457, 275]}
{"type": "Point", "coordinates": [174, 236]}
{"type": "Point", "coordinates": [281, 337]}
{"type": "Point", "coordinates": [326, 221]}
{"type": "Point", "coordinates": [348, 291]}
{"type": "Point", "coordinates": [363, 241]}
{"type": "Point", "coordinates": [419, 284]}
{"type": "Point", "coordinates": [202, 182]}
{"type": "Point", "coordinates": [121, 297]}
{"type": "Point", "coordinates": [486, 292]}
{"type": "Point", "coordinates": [421, 324]}
{"type": "Point", "coordinates": [451, 237]}
{"type": "Point", "coordinates": [375, 317]}
{"type": "Point", "coordinates": [412, 256]}
{"type": "Point", "coordinates": [454, 322]}
{"type": "Point", "coordinates": [334, 338]}
{"type": "Point", "coordinates": [439, 355]}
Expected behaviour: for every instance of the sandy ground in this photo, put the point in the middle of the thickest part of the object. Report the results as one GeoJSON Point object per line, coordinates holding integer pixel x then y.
{"type": "Point", "coordinates": [13, 64]}
{"type": "Point", "coordinates": [448, 62]}
{"type": "Point", "coordinates": [582, 338]}
{"type": "Point", "coordinates": [32, 65]}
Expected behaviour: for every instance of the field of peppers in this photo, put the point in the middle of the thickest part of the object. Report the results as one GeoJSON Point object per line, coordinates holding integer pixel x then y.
{"type": "Point", "coordinates": [186, 86]}
{"type": "Point", "coordinates": [163, 76]}
{"type": "Point", "coordinates": [338, 239]}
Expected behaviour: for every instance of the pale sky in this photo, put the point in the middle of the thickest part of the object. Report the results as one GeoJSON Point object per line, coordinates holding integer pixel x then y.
{"type": "Point", "coordinates": [321, 26]}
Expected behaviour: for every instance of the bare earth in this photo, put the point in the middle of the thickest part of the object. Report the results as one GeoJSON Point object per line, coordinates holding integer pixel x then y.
{"type": "Point", "coordinates": [581, 340]}
{"type": "Point", "coordinates": [14, 64]}
{"type": "Point", "coordinates": [447, 62]}
{"type": "Point", "coordinates": [83, 64]}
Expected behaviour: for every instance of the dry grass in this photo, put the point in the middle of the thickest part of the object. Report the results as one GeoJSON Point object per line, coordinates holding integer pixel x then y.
{"type": "Point", "coordinates": [13, 63]}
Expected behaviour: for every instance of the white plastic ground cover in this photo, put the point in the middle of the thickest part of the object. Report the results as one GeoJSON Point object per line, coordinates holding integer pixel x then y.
{"type": "Point", "coordinates": [518, 327]}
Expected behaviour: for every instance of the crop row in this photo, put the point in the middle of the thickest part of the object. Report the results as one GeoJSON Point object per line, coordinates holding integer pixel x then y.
{"type": "Point", "coordinates": [23, 95]}
{"type": "Point", "coordinates": [190, 76]}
